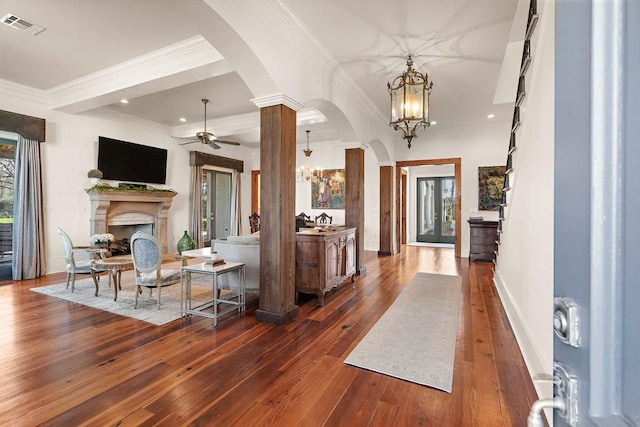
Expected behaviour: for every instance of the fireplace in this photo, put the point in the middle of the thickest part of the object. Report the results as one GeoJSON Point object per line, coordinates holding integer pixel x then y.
{"type": "Point", "coordinates": [124, 212]}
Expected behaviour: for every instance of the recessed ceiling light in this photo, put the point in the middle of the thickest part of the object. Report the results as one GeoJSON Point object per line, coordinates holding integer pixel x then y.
{"type": "Point", "coordinates": [490, 116]}
{"type": "Point", "coordinates": [433, 122]}
{"type": "Point", "coordinates": [182, 119]}
{"type": "Point", "coordinates": [124, 101]}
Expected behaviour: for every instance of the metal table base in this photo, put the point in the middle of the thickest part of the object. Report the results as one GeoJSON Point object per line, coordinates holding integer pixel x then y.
{"type": "Point", "coordinates": [231, 302]}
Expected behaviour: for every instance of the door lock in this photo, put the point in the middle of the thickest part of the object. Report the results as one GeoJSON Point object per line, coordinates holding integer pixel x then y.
{"type": "Point", "coordinates": [566, 321]}
{"type": "Point", "coordinates": [565, 388]}
{"type": "Point", "coordinates": [565, 398]}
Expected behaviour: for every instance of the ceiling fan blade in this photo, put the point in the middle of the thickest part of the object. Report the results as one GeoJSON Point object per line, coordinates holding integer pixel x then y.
{"type": "Point", "coordinates": [208, 138]}
{"type": "Point", "coordinates": [221, 141]}
{"type": "Point", "coordinates": [188, 141]}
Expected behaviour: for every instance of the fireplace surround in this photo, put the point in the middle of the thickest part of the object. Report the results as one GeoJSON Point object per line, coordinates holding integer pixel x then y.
{"type": "Point", "coordinates": [130, 208]}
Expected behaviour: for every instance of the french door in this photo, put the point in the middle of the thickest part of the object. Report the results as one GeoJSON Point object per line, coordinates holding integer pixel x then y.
{"type": "Point", "coordinates": [436, 210]}
{"type": "Point", "coordinates": [216, 205]}
{"type": "Point", "coordinates": [7, 174]}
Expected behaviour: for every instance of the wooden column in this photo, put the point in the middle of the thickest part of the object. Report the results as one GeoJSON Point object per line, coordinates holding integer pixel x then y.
{"type": "Point", "coordinates": [386, 210]}
{"type": "Point", "coordinates": [354, 200]}
{"type": "Point", "coordinates": [277, 216]}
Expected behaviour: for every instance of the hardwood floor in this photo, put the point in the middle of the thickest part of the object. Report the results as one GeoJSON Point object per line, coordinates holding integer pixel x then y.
{"type": "Point", "coordinates": [63, 364]}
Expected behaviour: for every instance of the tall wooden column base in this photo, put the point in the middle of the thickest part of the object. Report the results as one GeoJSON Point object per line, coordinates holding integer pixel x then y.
{"type": "Point", "coordinates": [386, 210]}
{"type": "Point", "coordinates": [354, 201]}
{"type": "Point", "coordinates": [277, 214]}
{"type": "Point", "coordinates": [276, 318]}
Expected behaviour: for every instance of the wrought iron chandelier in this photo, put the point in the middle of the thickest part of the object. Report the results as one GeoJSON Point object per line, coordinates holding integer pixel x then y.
{"type": "Point", "coordinates": [410, 101]}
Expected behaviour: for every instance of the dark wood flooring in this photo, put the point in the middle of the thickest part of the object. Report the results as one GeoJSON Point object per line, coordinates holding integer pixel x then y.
{"type": "Point", "coordinates": [63, 364]}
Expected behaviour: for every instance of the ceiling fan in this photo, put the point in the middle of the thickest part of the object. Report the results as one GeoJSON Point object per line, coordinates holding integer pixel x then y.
{"type": "Point", "coordinates": [205, 137]}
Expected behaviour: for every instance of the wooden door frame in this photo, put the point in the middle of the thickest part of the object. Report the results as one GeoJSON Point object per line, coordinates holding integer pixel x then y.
{"type": "Point", "coordinates": [403, 206]}
{"type": "Point", "coordinates": [457, 165]}
{"type": "Point", "coordinates": [255, 191]}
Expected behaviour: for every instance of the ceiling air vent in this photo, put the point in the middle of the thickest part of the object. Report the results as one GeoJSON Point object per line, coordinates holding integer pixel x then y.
{"type": "Point", "coordinates": [20, 24]}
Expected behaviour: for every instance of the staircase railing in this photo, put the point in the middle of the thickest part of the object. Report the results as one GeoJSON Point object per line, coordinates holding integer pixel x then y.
{"type": "Point", "coordinates": [521, 94]}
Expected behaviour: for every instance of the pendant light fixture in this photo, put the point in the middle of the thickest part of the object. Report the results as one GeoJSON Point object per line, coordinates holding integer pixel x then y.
{"type": "Point", "coordinates": [410, 101]}
{"type": "Point", "coordinates": [306, 172]}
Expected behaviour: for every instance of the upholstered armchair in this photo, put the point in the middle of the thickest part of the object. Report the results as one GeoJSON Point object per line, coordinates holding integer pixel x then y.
{"type": "Point", "coordinates": [78, 259]}
{"type": "Point", "coordinates": [146, 254]}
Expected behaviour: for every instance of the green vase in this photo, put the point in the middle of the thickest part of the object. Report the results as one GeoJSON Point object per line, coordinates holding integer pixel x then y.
{"type": "Point", "coordinates": [185, 243]}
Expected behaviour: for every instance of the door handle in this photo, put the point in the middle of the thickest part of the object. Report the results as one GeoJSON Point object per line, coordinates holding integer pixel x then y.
{"type": "Point", "coordinates": [565, 398]}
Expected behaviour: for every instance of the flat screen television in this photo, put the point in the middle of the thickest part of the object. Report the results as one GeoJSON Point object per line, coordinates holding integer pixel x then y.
{"type": "Point", "coordinates": [126, 161]}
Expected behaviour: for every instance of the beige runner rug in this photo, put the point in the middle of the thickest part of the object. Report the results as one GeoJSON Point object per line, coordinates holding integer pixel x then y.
{"type": "Point", "coordinates": [415, 338]}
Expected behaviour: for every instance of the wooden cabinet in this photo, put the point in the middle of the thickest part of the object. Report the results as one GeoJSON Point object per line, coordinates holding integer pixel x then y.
{"type": "Point", "coordinates": [324, 260]}
{"type": "Point", "coordinates": [483, 240]}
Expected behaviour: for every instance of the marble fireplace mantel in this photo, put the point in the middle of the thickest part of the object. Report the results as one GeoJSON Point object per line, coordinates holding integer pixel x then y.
{"type": "Point", "coordinates": [111, 207]}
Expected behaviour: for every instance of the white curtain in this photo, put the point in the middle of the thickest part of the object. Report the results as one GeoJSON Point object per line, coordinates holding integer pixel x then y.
{"type": "Point", "coordinates": [195, 222]}
{"type": "Point", "coordinates": [236, 214]}
{"type": "Point", "coordinates": [28, 247]}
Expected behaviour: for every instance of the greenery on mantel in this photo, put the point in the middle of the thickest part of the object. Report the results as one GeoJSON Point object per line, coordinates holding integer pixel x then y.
{"type": "Point", "coordinates": [123, 187]}
{"type": "Point", "coordinates": [94, 173]}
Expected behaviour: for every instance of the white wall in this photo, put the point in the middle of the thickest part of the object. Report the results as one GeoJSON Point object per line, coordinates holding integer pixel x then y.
{"type": "Point", "coordinates": [326, 156]}
{"type": "Point", "coordinates": [331, 155]}
{"type": "Point", "coordinates": [70, 151]}
{"type": "Point", "coordinates": [371, 201]}
{"type": "Point", "coordinates": [524, 271]}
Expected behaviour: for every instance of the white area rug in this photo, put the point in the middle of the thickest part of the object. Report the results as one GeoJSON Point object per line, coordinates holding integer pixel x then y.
{"type": "Point", "coordinates": [415, 338]}
{"type": "Point", "coordinates": [147, 306]}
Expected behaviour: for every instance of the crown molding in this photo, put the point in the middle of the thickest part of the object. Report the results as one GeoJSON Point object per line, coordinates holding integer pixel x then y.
{"type": "Point", "coordinates": [176, 58]}
{"type": "Point", "coordinates": [355, 144]}
{"type": "Point", "coordinates": [242, 123]}
{"type": "Point", "coordinates": [27, 93]}
{"type": "Point", "coordinates": [277, 99]}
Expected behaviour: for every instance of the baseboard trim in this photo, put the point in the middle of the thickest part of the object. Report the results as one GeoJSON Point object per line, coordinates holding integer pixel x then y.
{"type": "Point", "coordinates": [534, 361]}
{"type": "Point", "coordinates": [277, 318]}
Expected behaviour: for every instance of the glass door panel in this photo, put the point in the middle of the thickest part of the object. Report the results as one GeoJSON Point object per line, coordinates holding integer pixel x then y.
{"type": "Point", "coordinates": [216, 205]}
{"type": "Point", "coordinates": [448, 213]}
{"type": "Point", "coordinates": [223, 205]}
{"type": "Point", "coordinates": [7, 174]}
{"type": "Point", "coordinates": [436, 210]}
{"type": "Point", "coordinates": [426, 221]}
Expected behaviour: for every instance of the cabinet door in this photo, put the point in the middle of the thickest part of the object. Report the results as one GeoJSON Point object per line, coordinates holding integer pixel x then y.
{"type": "Point", "coordinates": [350, 255]}
{"type": "Point", "coordinates": [332, 260]}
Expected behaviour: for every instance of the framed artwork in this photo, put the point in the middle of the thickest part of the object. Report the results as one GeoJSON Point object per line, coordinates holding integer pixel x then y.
{"type": "Point", "coordinates": [327, 189]}
{"type": "Point", "coordinates": [490, 185]}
